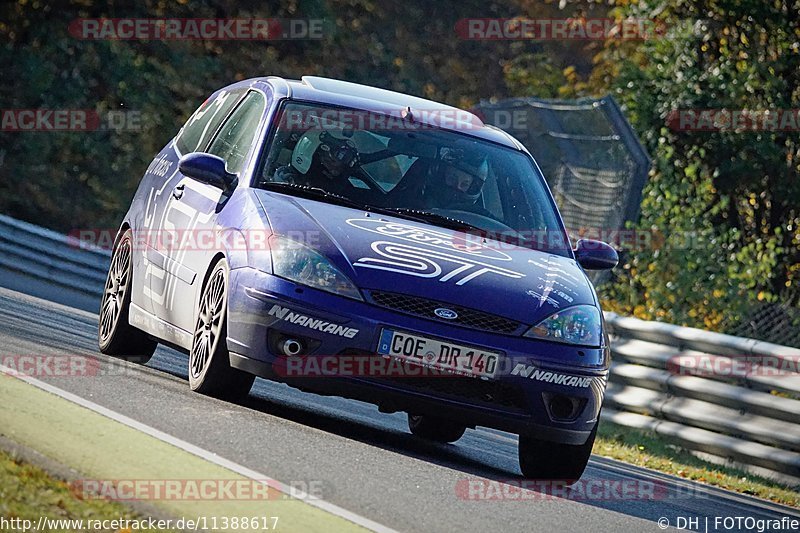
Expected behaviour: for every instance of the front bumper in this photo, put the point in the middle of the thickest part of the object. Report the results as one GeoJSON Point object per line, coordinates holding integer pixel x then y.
{"type": "Point", "coordinates": [533, 384]}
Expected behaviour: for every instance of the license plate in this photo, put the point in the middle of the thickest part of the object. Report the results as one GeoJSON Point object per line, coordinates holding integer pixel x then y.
{"type": "Point", "coordinates": [457, 358]}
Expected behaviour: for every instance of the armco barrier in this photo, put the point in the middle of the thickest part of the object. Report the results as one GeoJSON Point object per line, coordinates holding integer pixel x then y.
{"type": "Point", "coordinates": [750, 420]}
{"type": "Point", "coordinates": [50, 265]}
{"type": "Point", "coordinates": [735, 399]}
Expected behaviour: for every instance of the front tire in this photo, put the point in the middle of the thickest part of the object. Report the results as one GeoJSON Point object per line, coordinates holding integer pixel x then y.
{"type": "Point", "coordinates": [210, 372]}
{"type": "Point", "coordinates": [546, 460]}
{"type": "Point", "coordinates": [435, 429]}
{"type": "Point", "coordinates": [115, 335]}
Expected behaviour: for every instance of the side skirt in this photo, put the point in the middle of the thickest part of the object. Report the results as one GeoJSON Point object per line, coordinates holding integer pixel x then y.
{"type": "Point", "coordinates": [163, 331]}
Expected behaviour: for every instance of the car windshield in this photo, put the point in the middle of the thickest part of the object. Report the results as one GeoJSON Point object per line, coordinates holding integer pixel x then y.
{"type": "Point", "coordinates": [415, 171]}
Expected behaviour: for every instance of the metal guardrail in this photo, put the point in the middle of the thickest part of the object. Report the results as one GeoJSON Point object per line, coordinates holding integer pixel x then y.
{"type": "Point", "coordinates": [732, 398]}
{"type": "Point", "coordinates": [749, 419]}
{"type": "Point", "coordinates": [50, 265]}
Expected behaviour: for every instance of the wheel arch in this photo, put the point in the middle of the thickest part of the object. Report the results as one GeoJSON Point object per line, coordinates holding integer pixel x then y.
{"type": "Point", "coordinates": [207, 275]}
{"type": "Point", "coordinates": [125, 226]}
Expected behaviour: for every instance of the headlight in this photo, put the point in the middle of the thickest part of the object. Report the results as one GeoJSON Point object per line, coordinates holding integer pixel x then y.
{"type": "Point", "coordinates": [297, 262]}
{"type": "Point", "coordinates": [574, 325]}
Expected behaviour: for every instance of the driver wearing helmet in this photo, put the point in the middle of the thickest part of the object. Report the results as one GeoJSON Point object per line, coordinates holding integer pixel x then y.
{"type": "Point", "coordinates": [320, 159]}
{"type": "Point", "coordinates": [460, 181]}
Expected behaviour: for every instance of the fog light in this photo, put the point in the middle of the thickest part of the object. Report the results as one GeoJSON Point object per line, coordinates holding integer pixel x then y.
{"type": "Point", "coordinates": [561, 407]}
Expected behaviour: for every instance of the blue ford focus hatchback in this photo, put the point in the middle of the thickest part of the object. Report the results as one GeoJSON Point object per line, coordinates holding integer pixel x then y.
{"type": "Point", "coordinates": [355, 241]}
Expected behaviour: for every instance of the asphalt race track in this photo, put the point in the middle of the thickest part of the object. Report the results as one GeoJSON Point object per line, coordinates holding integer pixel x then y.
{"type": "Point", "coordinates": [367, 462]}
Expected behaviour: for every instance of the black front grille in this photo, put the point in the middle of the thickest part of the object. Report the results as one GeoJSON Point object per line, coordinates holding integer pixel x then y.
{"type": "Point", "coordinates": [473, 390]}
{"type": "Point", "coordinates": [426, 308]}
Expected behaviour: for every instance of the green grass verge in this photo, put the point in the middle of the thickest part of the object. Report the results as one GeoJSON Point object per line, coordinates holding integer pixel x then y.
{"type": "Point", "coordinates": [650, 451]}
{"type": "Point", "coordinates": [103, 449]}
{"type": "Point", "coordinates": [28, 492]}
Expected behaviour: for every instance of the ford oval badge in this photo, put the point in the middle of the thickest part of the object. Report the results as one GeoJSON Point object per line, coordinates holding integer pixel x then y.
{"type": "Point", "coordinates": [447, 314]}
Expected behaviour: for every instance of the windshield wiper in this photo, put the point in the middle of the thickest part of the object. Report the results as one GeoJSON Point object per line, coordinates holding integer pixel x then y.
{"type": "Point", "coordinates": [404, 212]}
{"type": "Point", "coordinates": [314, 193]}
{"type": "Point", "coordinates": [318, 193]}
{"type": "Point", "coordinates": [458, 224]}
{"type": "Point", "coordinates": [442, 220]}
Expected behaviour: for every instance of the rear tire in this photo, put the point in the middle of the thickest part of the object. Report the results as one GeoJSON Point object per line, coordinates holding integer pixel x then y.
{"type": "Point", "coordinates": [210, 371]}
{"type": "Point", "coordinates": [435, 429]}
{"type": "Point", "coordinates": [539, 459]}
{"type": "Point", "coordinates": [115, 335]}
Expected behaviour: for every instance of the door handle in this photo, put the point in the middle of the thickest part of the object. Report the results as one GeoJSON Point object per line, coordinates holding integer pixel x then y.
{"type": "Point", "coordinates": [177, 192]}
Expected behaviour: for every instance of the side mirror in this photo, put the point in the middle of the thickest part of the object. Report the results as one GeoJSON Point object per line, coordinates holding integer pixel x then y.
{"type": "Point", "coordinates": [595, 255]}
{"type": "Point", "coordinates": [207, 168]}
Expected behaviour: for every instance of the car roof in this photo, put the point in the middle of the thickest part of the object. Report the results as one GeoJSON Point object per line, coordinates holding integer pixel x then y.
{"type": "Point", "coordinates": [373, 99]}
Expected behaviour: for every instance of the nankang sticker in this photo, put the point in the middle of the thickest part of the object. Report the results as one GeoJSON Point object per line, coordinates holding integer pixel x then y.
{"type": "Point", "coordinates": [531, 372]}
{"type": "Point", "coordinates": [316, 324]}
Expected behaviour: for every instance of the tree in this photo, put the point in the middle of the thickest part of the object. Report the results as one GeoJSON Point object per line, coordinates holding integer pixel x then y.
{"type": "Point", "coordinates": [75, 180]}
{"type": "Point", "coordinates": [735, 193]}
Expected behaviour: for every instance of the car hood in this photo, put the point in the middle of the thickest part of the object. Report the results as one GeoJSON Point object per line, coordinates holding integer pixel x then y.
{"type": "Point", "coordinates": [393, 254]}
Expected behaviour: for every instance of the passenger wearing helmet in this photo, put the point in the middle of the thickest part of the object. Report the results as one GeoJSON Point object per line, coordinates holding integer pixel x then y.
{"type": "Point", "coordinates": [459, 181]}
{"type": "Point", "coordinates": [320, 159]}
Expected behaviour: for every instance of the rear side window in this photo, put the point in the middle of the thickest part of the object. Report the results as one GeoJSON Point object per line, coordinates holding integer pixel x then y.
{"type": "Point", "coordinates": [204, 122]}
{"type": "Point", "coordinates": [237, 134]}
